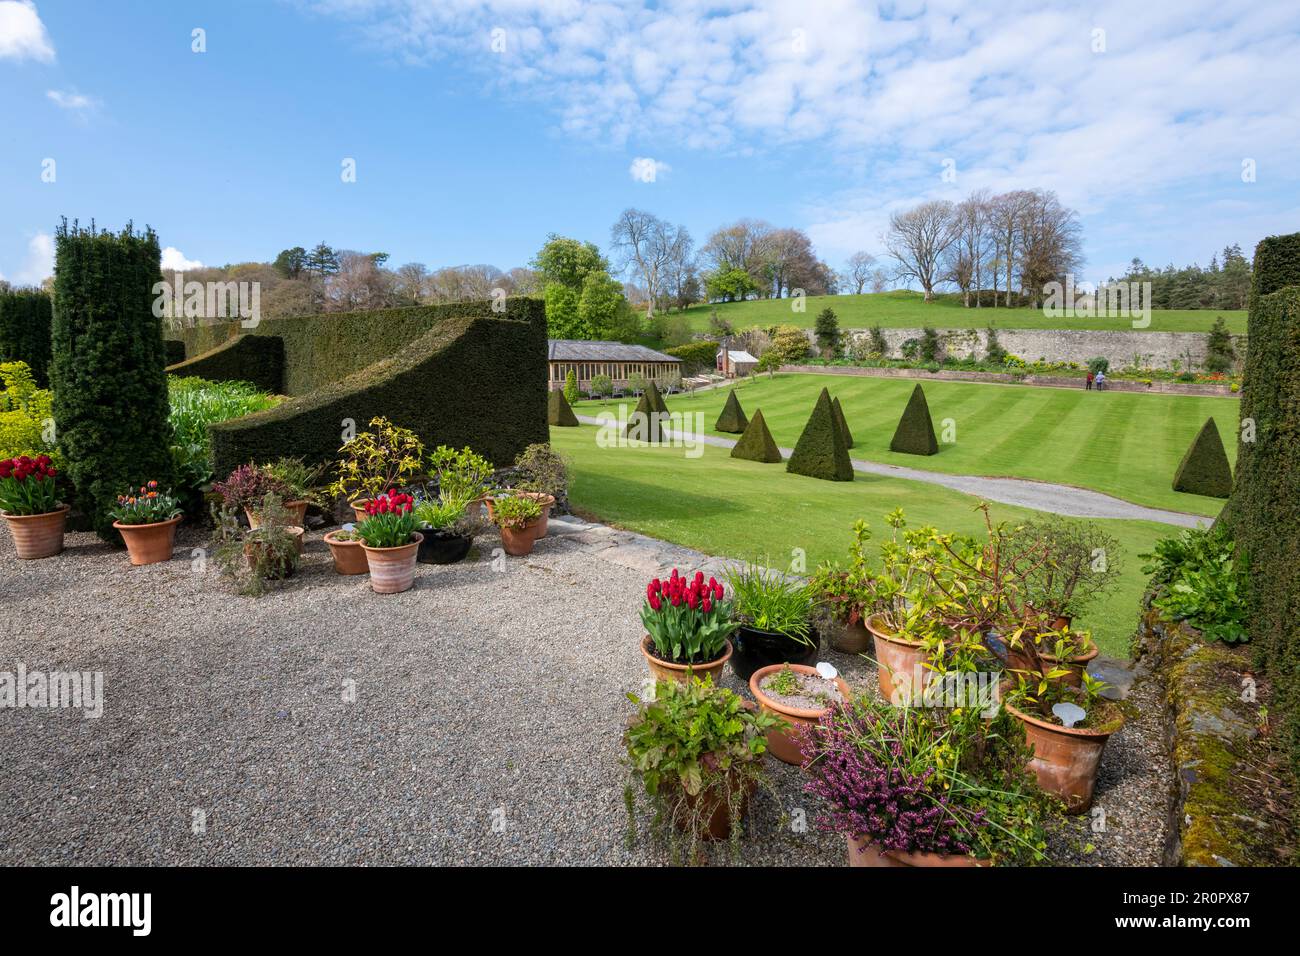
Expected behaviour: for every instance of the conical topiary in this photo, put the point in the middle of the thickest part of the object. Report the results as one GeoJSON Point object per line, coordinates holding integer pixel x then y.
{"type": "Point", "coordinates": [1204, 470]}
{"type": "Point", "coordinates": [649, 417]}
{"type": "Point", "coordinates": [558, 411]}
{"type": "Point", "coordinates": [733, 417]}
{"type": "Point", "coordinates": [820, 451]}
{"type": "Point", "coordinates": [756, 444]}
{"type": "Point", "coordinates": [915, 432]}
{"type": "Point", "coordinates": [842, 423]}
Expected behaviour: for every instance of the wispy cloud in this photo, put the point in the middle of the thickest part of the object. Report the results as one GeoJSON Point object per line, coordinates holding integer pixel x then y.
{"type": "Point", "coordinates": [72, 101]}
{"type": "Point", "coordinates": [22, 34]}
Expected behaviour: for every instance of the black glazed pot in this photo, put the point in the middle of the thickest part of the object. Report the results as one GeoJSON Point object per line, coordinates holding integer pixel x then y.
{"type": "Point", "coordinates": [438, 547]}
{"type": "Point", "coordinates": [754, 649]}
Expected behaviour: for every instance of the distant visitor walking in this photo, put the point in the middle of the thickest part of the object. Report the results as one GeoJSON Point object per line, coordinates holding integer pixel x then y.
{"type": "Point", "coordinates": [1088, 386]}
{"type": "Point", "coordinates": [1101, 381]}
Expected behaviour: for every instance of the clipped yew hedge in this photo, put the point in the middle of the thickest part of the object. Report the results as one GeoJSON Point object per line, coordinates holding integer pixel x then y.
{"type": "Point", "coordinates": [732, 419]}
{"type": "Point", "coordinates": [559, 412]}
{"type": "Point", "coordinates": [820, 451]}
{"type": "Point", "coordinates": [1204, 469]}
{"type": "Point", "coordinates": [915, 432]}
{"type": "Point", "coordinates": [757, 444]}
{"type": "Point", "coordinates": [470, 377]}
{"type": "Point", "coordinates": [26, 317]}
{"type": "Point", "coordinates": [258, 359]}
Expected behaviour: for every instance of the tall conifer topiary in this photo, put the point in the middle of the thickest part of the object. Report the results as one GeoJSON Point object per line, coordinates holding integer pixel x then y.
{"type": "Point", "coordinates": [25, 320]}
{"type": "Point", "coordinates": [650, 416]}
{"type": "Point", "coordinates": [110, 390]}
{"type": "Point", "coordinates": [733, 417]}
{"type": "Point", "coordinates": [842, 422]}
{"type": "Point", "coordinates": [820, 451]}
{"type": "Point", "coordinates": [558, 411]}
{"type": "Point", "coordinates": [915, 432]}
{"type": "Point", "coordinates": [756, 444]}
{"type": "Point", "coordinates": [1204, 469]}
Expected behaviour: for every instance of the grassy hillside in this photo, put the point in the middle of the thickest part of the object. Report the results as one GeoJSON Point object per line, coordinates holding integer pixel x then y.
{"type": "Point", "coordinates": [910, 310]}
{"type": "Point", "coordinates": [741, 509]}
{"type": "Point", "coordinates": [1126, 444]}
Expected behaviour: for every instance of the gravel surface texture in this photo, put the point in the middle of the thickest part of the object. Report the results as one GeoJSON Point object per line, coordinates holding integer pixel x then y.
{"type": "Point", "coordinates": [475, 719]}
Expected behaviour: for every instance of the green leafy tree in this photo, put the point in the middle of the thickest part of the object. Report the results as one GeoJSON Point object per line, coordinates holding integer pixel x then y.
{"type": "Point", "coordinates": [568, 261]}
{"type": "Point", "coordinates": [828, 332]}
{"type": "Point", "coordinates": [1220, 355]}
{"type": "Point", "coordinates": [571, 386]}
{"type": "Point", "coordinates": [562, 321]}
{"type": "Point", "coordinates": [599, 305]}
{"type": "Point", "coordinates": [729, 285]}
{"type": "Point", "coordinates": [290, 262]}
{"type": "Point", "coordinates": [602, 386]}
{"type": "Point", "coordinates": [110, 389]}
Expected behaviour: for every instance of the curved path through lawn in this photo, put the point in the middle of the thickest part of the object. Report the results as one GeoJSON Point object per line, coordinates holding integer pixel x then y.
{"type": "Point", "coordinates": [1040, 495]}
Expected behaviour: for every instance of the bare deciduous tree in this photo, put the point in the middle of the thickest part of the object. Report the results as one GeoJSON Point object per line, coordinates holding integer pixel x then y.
{"type": "Point", "coordinates": [859, 271]}
{"type": "Point", "coordinates": [918, 239]}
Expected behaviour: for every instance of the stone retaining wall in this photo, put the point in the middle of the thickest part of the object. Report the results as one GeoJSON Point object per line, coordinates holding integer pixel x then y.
{"type": "Point", "coordinates": [1148, 349]}
{"type": "Point", "coordinates": [1054, 381]}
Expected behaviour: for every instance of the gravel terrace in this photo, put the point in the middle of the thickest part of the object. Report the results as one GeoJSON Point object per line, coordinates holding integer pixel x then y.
{"type": "Point", "coordinates": [484, 725]}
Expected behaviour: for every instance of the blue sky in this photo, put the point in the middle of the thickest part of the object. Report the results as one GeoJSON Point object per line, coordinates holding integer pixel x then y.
{"type": "Point", "coordinates": [822, 115]}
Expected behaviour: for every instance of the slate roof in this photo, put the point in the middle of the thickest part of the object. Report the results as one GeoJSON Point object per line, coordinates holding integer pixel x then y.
{"type": "Point", "coordinates": [578, 350]}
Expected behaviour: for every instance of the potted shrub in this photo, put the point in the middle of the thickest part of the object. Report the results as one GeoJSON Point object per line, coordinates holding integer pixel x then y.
{"type": "Point", "coordinates": [447, 530]}
{"type": "Point", "coordinates": [800, 695]}
{"type": "Point", "coordinates": [253, 558]}
{"type": "Point", "coordinates": [850, 595]}
{"type": "Point", "coordinates": [687, 624]}
{"type": "Point", "coordinates": [345, 548]}
{"type": "Point", "coordinates": [544, 477]}
{"type": "Point", "coordinates": [299, 485]}
{"type": "Point", "coordinates": [1067, 729]}
{"type": "Point", "coordinates": [775, 616]}
{"type": "Point", "coordinates": [246, 487]}
{"type": "Point", "coordinates": [914, 787]}
{"type": "Point", "coordinates": [697, 752]}
{"type": "Point", "coordinates": [463, 476]}
{"type": "Point", "coordinates": [390, 541]}
{"type": "Point", "coordinates": [518, 518]}
{"type": "Point", "coordinates": [376, 461]}
{"type": "Point", "coordinates": [147, 521]}
{"type": "Point", "coordinates": [29, 501]}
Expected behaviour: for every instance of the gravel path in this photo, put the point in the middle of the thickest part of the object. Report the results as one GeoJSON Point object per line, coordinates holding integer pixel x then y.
{"type": "Point", "coordinates": [1039, 495]}
{"type": "Point", "coordinates": [473, 719]}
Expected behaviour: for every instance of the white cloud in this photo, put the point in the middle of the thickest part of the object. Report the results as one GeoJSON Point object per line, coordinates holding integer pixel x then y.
{"type": "Point", "coordinates": [69, 100]}
{"type": "Point", "coordinates": [39, 263]}
{"type": "Point", "coordinates": [1013, 92]}
{"type": "Point", "coordinates": [22, 34]}
{"type": "Point", "coordinates": [173, 260]}
{"type": "Point", "coordinates": [647, 170]}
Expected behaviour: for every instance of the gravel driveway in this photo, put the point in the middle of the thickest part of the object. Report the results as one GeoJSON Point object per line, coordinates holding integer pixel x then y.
{"type": "Point", "coordinates": [473, 719]}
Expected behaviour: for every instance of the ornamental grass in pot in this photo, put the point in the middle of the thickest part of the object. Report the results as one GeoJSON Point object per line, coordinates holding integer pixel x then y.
{"type": "Point", "coordinates": [518, 519]}
{"type": "Point", "coordinates": [345, 548]}
{"type": "Point", "coordinates": [448, 531]}
{"type": "Point", "coordinates": [800, 695]}
{"type": "Point", "coordinates": [390, 541]}
{"type": "Point", "coordinates": [918, 787]}
{"type": "Point", "coordinates": [252, 558]}
{"type": "Point", "coordinates": [696, 752]}
{"type": "Point", "coordinates": [775, 618]}
{"type": "Point", "coordinates": [147, 520]}
{"type": "Point", "coordinates": [29, 501]}
{"type": "Point", "coordinates": [688, 623]}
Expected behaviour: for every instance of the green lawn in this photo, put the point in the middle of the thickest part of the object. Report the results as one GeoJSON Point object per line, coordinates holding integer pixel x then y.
{"type": "Point", "coordinates": [739, 509]}
{"type": "Point", "coordinates": [1126, 444]}
{"type": "Point", "coordinates": [906, 310]}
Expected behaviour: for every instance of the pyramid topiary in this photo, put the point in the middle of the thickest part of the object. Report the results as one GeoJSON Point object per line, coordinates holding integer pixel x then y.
{"type": "Point", "coordinates": [733, 417]}
{"type": "Point", "coordinates": [649, 417]}
{"type": "Point", "coordinates": [756, 444]}
{"type": "Point", "coordinates": [820, 451]}
{"type": "Point", "coordinates": [842, 423]}
{"type": "Point", "coordinates": [915, 432]}
{"type": "Point", "coordinates": [1204, 470]}
{"type": "Point", "coordinates": [558, 411]}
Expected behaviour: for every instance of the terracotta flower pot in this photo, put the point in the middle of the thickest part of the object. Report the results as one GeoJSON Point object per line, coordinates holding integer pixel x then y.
{"type": "Point", "coordinates": [1065, 759]}
{"type": "Point", "coordinates": [848, 638]}
{"type": "Point", "coordinates": [392, 570]}
{"type": "Point", "coordinates": [285, 567]}
{"type": "Point", "coordinates": [862, 853]}
{"type": "Point", "coordinates": [898, 661]}
{"type": "Point", "coordinates": [359, 509]}
{"type": "Point", "coordinates": [349, 558]}
{"type": "Point", "coordinates": [38, 536]}
{"type": "Point", "coordinates": [297, 515]}
{"type": "Point", "coordinates": [667, 670]}
{"type": "Point", "coordinates": [149, 543]}
{"type": "Point", "coordinates": [1018, 660]}
{"type": "Point", "coordinates": [785, 743]}
{"type": "Point", "coordinates": [715, 807]}
{"type": "Point", "coordinates": [546, 501]}
{"type": "Point", "coordinates": [519, 542]}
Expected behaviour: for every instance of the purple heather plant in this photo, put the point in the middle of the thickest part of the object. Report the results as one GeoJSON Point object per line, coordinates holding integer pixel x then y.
{"type": "Point", "coordinates": [865, 763]}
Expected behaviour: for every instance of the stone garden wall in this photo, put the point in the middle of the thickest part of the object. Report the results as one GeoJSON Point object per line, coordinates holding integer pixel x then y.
{"type": "Point", "coordinates": [1151, 349]}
